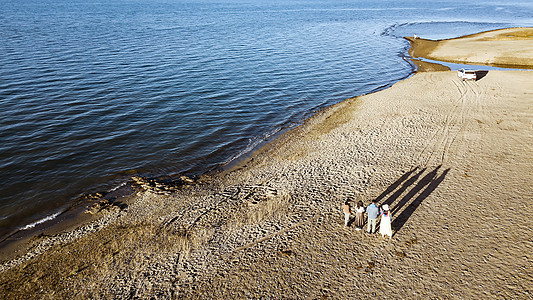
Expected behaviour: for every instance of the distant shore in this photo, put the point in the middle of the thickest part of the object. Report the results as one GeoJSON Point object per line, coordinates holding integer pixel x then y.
{"type": "Point", "coordinates": [508, 48]}
{"type": "Point", "coordinates": [451, 158]}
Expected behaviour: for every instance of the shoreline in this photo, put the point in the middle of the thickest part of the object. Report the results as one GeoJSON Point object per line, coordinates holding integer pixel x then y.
{"type": "Point", "coordinates": [74, 215]}
{"type": "Point", "coordinates": [294, 184]}
{"type": "Point", "coordinates": [86, 200]}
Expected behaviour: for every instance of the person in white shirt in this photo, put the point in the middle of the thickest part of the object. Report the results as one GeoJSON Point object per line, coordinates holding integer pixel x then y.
{"type": "Point", "coordinates": [385, 223]}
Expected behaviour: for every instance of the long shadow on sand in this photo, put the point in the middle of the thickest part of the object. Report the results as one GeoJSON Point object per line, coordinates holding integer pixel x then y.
{"type": "Point", "coordinates": [408, 182]}
{"type": "Point", "coordinates": [423, 187]}
{"type": "Point", "coordinates": [417, 188]}
{"type": "Point", "coordinates": [427, 185]}
{"type": "Point", "coordinates": [395, 185]}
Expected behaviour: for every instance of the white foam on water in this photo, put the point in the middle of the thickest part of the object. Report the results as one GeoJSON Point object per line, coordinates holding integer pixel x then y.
{"type": "Point", "coordinates": [32, 225]}
{"type": "Point", "coordinates": [117, 187]}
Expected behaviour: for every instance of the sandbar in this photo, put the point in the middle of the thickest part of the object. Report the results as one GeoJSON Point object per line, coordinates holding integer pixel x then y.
{"type": "Point", "coordinates": [509, 47]}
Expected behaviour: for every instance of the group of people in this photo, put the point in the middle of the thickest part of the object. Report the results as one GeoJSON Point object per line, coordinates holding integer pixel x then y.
{"type": "Point", "coordinates": [372, 212]}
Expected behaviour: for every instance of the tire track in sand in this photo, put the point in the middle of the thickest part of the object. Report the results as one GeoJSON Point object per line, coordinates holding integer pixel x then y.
{"type": "Point", "coordinates": [465, 107]}
{"type": "Point", "coordinates": [471, 108]}
{"type": "Point", "coordinates": [438, 144]}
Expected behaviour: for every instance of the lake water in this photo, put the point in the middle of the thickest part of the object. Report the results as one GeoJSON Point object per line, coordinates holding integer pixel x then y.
{"type": "Point", "coordinates": [93, 92]}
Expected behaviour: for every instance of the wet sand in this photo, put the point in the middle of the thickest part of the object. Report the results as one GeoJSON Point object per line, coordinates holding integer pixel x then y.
{"type": "Point", "coordinates": [453, 159]}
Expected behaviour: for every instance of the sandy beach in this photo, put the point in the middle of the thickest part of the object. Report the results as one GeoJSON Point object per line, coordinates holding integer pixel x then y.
{"type": "Point", "coordinates": [509, 47]}
{"type": "Point", "coordinates": [452, 159]}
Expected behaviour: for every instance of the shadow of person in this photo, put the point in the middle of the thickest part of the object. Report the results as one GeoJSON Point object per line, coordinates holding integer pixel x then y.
{"type": "Point", "coordinates": [431, 184]}
{"type": "Point", "coordinates": [351, 221]}
{"type": "Point", "coordinates": [480, 74]}
{"type": "Point", "coordinates": [395, 185]}
{"type": "Point", "coordinates": [417, 188]}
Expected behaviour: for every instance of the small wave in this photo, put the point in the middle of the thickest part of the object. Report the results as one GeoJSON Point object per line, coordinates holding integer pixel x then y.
{"type": "Point", "coordinates": [117, 187]}
{"type": "Point", "coordinates": [387, 31]}
{"type": "Point", "coordinates": [181, 27]}
{"type": "Point", "coordinates": [50, 217]}
{"type": "Point", "coordinates": [252, 145]}
{"type": "Point", "coordinates": [440, 29]}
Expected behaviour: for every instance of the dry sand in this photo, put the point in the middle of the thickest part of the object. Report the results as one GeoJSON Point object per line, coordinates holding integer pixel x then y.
{"type": "Point", "coordinates": [509, 47]}
{"type": "Point", "coordinates": [453, 159]}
